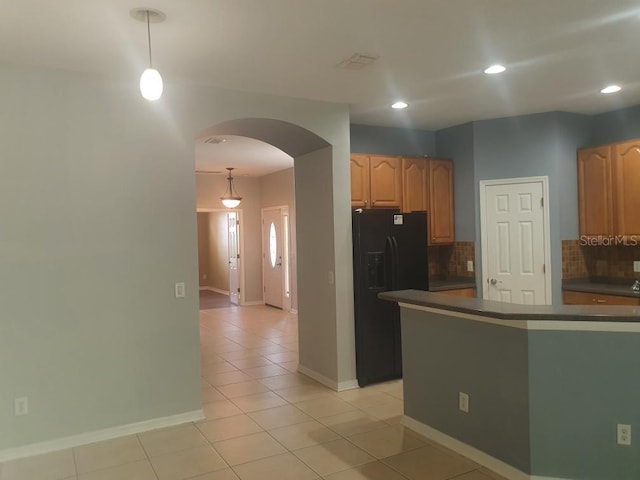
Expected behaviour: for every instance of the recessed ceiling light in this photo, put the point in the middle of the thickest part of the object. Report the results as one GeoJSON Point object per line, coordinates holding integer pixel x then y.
{"type": "Point", "coordinates": [399, 105]}
{"type": "Point", "coordinates": [611, 89]}
{"type": "Point", "coordinates": [493, 69]}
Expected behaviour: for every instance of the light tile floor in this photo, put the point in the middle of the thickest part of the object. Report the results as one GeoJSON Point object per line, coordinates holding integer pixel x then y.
{"type": "Point", "coordinates": [263, 421]}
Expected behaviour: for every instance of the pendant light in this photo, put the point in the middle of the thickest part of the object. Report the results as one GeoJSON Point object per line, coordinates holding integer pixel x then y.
{"type": "Point", "coordinates": [230, 199]}
{"type": "Point", "coordinates": [151, 85]}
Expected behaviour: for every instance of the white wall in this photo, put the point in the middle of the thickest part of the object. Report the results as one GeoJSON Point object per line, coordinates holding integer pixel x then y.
{"type": "Point", "coordinates": [97, 209]}
{"type": "Point", "coordinates": [218, 250]}
{"type": "Point", "coordinates": [97, 224]}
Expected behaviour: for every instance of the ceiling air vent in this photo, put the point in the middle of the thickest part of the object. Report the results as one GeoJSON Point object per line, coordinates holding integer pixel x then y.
{"type": "Point", "coordinates": [215, 140]}
{"type": "Point", "coordinates": [357, 61]}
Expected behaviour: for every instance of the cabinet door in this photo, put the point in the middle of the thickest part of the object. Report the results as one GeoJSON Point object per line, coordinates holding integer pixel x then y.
{"type": "Point", "coordinates": [626, 168]}
{"type": "Point", "coordinates": [595, 191]}
{"type": "Point", "coordinates": [461, 292]}
{"type": "Point", "coordinates": [360, 192]}
{"type": "Point", "coordinates": [386, 181]}
{"type": "Point", "coordinates": [441, 201]}
{"type": "Point", "coordinates": [415, 185]}
{"type": "Point", "coordinates": [583, 298]}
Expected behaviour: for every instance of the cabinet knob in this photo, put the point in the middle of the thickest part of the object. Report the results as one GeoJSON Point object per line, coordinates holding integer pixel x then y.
{"type": "Point", "coordinates": [373, 203]}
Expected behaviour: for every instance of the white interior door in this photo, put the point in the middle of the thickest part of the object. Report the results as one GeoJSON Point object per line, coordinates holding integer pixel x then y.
{"type": "Point", "coordinates": [234, 258]}
{"type": "Point", "coordinates": [272, 251]}
{"type": "Point", "coordinates": [515, 241]}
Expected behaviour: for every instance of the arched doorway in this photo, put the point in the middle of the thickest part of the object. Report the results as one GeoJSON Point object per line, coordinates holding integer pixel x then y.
{"type": "Point", "coordinates": [326, 342]}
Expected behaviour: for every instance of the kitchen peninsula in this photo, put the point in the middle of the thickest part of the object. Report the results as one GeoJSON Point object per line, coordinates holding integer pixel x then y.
{"type": "Point", "coordinates": [547, 385]}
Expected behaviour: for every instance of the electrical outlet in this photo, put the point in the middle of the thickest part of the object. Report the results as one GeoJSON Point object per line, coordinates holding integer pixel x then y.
{"type": "Point", "coordinates": [624, 434]}
{"type": "Point", "coordinates": [469, 265]}
{"type": "Point", "coordinates": [180, 290]}
{"type": "Point", "coordinates": [636, 266]}
{"type": "Point", "coordinates": [463, 402]}
{"type": "Point", "coordinates": [21, 406]}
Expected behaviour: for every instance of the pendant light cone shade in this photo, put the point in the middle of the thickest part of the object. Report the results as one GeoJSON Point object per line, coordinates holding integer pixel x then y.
{"type": "Point", "coordinates": [151, 85]}
{"type": "Point", "coordinates": [230, 199]}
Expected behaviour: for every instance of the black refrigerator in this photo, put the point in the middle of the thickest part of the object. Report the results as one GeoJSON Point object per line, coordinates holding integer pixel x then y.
{"type": "Point", "coordinates": [389, 253]}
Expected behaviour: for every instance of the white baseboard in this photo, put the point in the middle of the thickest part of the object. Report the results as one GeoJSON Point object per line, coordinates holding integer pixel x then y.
{"type": "Point", "coordinates": [348, 385]}
{"type": "Point", "coordinates": [217, 290]}
{"type": "Point", "coordinates": [332, 384]}
{"type": "Point", "coordinates": [251, 304]}
{"type": "Point", "coordinates": [99, 435]}
{"type": "Point", "coordinates": [478, 456]}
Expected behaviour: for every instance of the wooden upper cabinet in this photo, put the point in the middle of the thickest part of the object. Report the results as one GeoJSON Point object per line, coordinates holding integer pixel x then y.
{"type": "Point", "coordinates": [595, 191]}
{"type": "Point", "coordinates": [441, 202]}
{"type": "Point", "coordinates": [360, 187]}
{"type": "Point", "coordinates": [608, 192]}
{"type": "Point", "coordinates": [410, 184]}
{"type": "Point", "coordinates": [626, 168]}
{"type": "Point", "coordinates": [386, 181]}
{"type": "Point", "coordinates": [376, 181]}
{"type": "Point", "coordinates": [415, 184]}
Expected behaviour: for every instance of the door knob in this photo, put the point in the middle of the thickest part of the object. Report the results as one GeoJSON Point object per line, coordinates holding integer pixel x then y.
{"type": "Point", "coordinates": [493, 281]}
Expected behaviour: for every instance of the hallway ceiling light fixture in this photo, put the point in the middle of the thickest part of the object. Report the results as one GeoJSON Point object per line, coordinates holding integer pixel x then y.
{"type": "Point", "coordinates": [400, 105]}
{"type": "Point", "coordinates": [150, 81]}
{"type": "Point", "coordinates": [611, 89]}
{"type": "Point", "coordinates": [230, 199]}
{"type": "Point", "coordinates": [493, 69]}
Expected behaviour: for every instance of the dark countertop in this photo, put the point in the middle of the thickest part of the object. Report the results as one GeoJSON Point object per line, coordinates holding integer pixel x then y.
{"type": "Point", "coordinates": [512, 311]}
{"type": "Point", "coordinates": [458, 283]}
{"type": "Point", "coordinates": [600, 285]}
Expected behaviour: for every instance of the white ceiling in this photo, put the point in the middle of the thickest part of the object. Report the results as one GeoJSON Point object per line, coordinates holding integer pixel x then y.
{"type": "Point", "coordinates": [559, 53]}
{"type": "Point", "coordinates": [247, 156]}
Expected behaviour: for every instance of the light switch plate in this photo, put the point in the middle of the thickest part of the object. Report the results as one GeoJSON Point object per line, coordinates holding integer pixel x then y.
{"type": "Point", "coordinates": [180, 290]}
{"type": "Point", "coordinates": [469, 265]}
{"type": "Point", "coordinates": [636, 266]}
{"type": "Point", "coordinates": [463, 402]}
{"type": "Point", "coordinates": [21, 406]}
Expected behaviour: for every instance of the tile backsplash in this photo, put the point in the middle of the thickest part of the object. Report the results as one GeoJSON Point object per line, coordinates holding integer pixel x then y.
{"type": "Point", "coordinates": [450, 261]}
{"type": "Point", "coordinates": [598, 261]}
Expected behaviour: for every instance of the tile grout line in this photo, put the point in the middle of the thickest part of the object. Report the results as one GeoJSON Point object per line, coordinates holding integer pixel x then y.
{"type": "Point", "coordinates": [146, 454]}
{"type": "Point", "coordinates": [75, 463]}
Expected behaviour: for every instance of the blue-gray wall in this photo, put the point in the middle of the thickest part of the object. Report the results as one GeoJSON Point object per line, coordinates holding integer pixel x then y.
{"type": "Point", "coordinates": [616, 126]}
{"type": "Point", "coordinates": [546, 402]}
{"type": "Point", "coordinates": [457, 143]}
{"type": "Point", "coordinates": [444, 355]}
{"type": "Point", "coordinates": [537, 145]}
{"type": "Point", "coordinates": [392, 141]}
{"type": "Point", "coordinates": [573, 133]}
{"type": "Point", "coordinates": [582, 384]}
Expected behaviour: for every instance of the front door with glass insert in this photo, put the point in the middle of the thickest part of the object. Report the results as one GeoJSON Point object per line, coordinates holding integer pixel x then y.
{"type": "Point", "coordinates": [272, 252]}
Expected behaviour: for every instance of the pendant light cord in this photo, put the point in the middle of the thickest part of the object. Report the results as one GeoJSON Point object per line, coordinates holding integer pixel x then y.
{"type": "Point", "coordinates": [149, 38]}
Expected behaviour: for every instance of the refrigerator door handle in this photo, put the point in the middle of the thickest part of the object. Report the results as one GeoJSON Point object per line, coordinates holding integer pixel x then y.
{"type": "Point", "coordinates": [395, 263]}
{"type": "Point", "coordinates": [388, 270]}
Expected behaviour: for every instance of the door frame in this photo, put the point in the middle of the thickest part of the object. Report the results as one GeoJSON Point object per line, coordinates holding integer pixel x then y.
{"type": "Point", "coordinates": [286, 253]}
{"type": "Point", "coordinates": [240, 246]}
{"type": "Point", "coordinates": [544, 180]}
